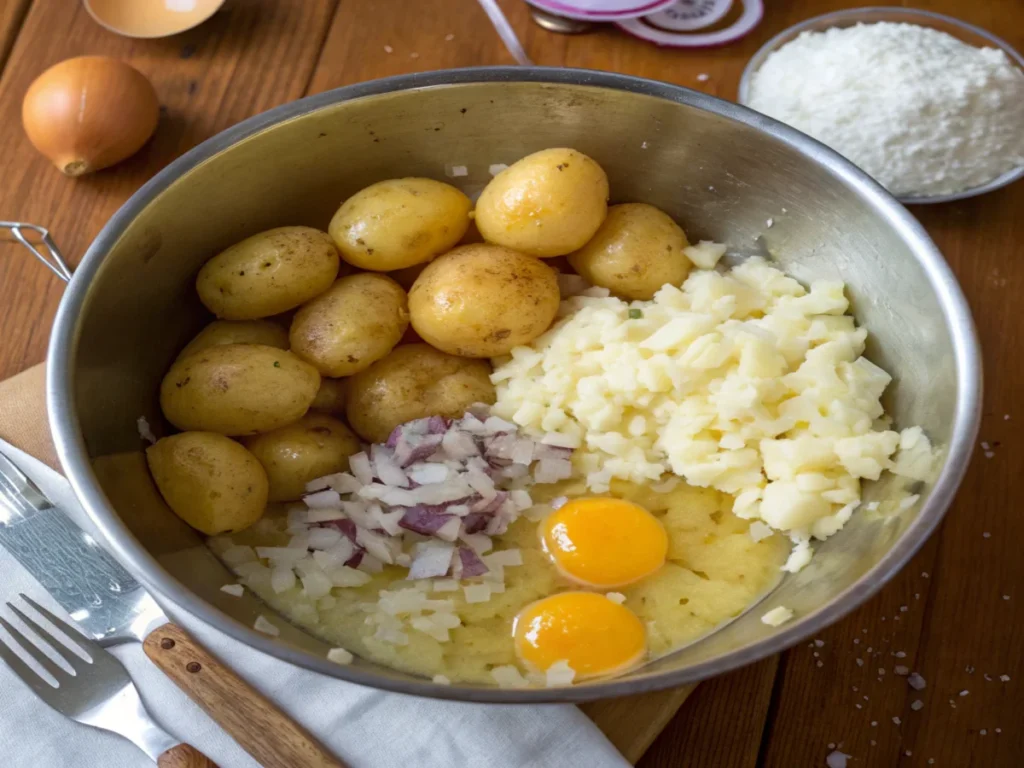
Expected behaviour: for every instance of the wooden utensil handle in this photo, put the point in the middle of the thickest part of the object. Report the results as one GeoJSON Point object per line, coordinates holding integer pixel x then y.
{"type": "Point", "coordinates": [184, 756]}
{"type": "Point", "coordinates": [258, 726]}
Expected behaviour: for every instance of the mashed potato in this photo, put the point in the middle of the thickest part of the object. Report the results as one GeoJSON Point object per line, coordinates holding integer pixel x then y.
{"type": "Point", "coordinates": [746, 382]}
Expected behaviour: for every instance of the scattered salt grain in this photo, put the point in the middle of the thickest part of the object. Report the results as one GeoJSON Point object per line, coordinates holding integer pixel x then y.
{"type": "Point", "coordinates": [339, 656]}
{"type": "Point", "coordinates": [900, 655]}
{"type": "Point", "coordinates": [441, 680]}
{"type": "Point", "coordinates": [836, 759]}
{"type": "Point", "coordinates": [263, 625]}
{"type": "Point", "coordinates": [1006, 597]}
{"type": "Point", "coordinates": [456, 171]}
{"type": "Point", "coordinates": [983, 732]}
{"type": "Point", "coordinates": [769, 223]}
{"type": "Point", "coordinates": [860, 662]}
{"type": "Point", "coordinates": [916, 704]}
{"type": "Point", "coordinates": [496, 168]}
{"type": "Point", "coordinates": [388, 49]}
{"type": "Point", "coordinates": [235, 590]}
{"type": "Point", "coordinates": [644, 145]}
{"type": "Point", "coordinates": [924, 574]}
{"type": "Point", "coordinates": [986, 535]}
{"type": "Point", "coordinates": [964, 692]}
{"type": "Point", "coordinates": [896, 720]}
{"type": "Point", "coordinates": [874, 723]}
{"type": "Point", "coordinates": [819, 643]}
{"type": "Point", "coordinates": [916, 682]}
{"type": "Point", "coordinates": [703, 77]}
{"type": "Point", "coordinates": [449, 37]}
{"type": "Point", "coordinates": [414, 55]}
{"type": "Point", "coordinates": [819, 663]}
{"type": "Point", "coordinates": [1004, 678]}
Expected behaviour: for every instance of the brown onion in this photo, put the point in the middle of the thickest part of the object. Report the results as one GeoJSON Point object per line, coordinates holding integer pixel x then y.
{"type": "Point", "coordinates": [89, 112]}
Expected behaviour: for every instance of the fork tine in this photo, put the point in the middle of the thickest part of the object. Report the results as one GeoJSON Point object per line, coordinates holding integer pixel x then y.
{"type": "Point", "coordinates": [54, 642]}
{"type": "Point", "coordinates": [33, 650]}
{"type": "Point", "coordinates": [28, 675]}
{"type": "Point", "coordinates": [74, 633]}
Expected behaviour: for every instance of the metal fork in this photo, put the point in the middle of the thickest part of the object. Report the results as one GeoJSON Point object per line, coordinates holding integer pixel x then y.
{"type": "Point", "coordinates": [98, 692]}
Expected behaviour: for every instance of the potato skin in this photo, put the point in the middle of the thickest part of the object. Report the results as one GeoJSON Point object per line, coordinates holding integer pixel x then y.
{"type": "Point", "coordinates": [238, 389]}
{"type": "Point", "coordinates": [264, 332]}
{"type": "Point", "coordinates": [483, 300]}
{"type": "Point", "coordinates": [268, 273]}
{"type": "Point", "coordinates": [210, 481]}
{"type": "Point", "coordinates": [547, 204]}
{"type": "Point", "coordinates": [354, 323]}
{"type": "Point", "coordinates": [331, 396]}
{"type": "Point", "coordinates": [314, 446]}
{"type": "Point", "coordinates": [397, 223]}
{"type": "Point", "coordinates": [636, 251]}
{"type": "Point", "coordinates": [413, 382]}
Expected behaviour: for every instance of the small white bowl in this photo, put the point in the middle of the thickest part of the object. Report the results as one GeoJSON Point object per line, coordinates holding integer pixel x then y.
{"type": "Point", "coordinates": [961, 30]}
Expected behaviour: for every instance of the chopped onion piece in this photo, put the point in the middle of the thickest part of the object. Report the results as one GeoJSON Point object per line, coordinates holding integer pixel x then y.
{"type": "Point", "coordinates": [235, 590]}
{"type": "Point", "coordinates": [323, 538]}
{"type": "Point", "coordinates": [323, 500]}
{"type": "Point", "coordinates": [477, 593]}
{"type": "Point", "coordinates": [339, 656]}
{"type": "Point", "coordinates": [440, 680]}
{"type": "Point", "coordinates": [345, 576]}
{"type": "Point", "coordinates": [445, 585]}
{"type": "Point", "coordinates": [432, 561]}
{"type": "Point", "coordinates": [386, 469]}
{"type": "Point", "coordinates": [264, 625]}
{"type": "Point", "coordinates": [381, 547]}
{"type": "Point", "coordinates": [559, 674]}
{"type": "Point", "coordinates": [472, 565]}
{"type": "Point", "coordinates": [282, 555]}
{"type": "Point", "coordinates": [316, 583]}
{"type": "Point", "coordinates": [282, 578]}
{"type": "Point", "coordinates": [505, 557]}
{"type": "Point", "coordinates": [359, 466]}
{"type": "Point", "coordinates": [252, 571]}
{"type": "Point", "coordinates": [318, 484]}
{"type": "Point", "coordinates": [507, 676]}
{"type": "Point", "coordinates": [450, 530]}
{"type": "Point", "coordinates": [478, 542]}
{"type": "Point", "coordinates": [426, 474]}
{"type": "Point", "coordinates": [552, 470]}
{"type": "Point", "coordinates": [494, 425]}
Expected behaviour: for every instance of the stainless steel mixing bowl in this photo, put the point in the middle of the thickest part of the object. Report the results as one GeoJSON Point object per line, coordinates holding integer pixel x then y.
{"type": "Point", "coordinates": [724, 172]}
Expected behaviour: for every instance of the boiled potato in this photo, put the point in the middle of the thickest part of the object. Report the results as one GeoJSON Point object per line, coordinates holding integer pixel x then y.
{"type": "Point", "coordinates": [413, 382]}
{"type": "Point", "coordinates": [636, 251]}
{"type": "Point", "coordinates": [483, 300]}
{"type": "Point", "coordinates": [548, 204]}
{"type": "Point", "coordinates": [268, 273]}
{"type": "Point", "coordinates": [358, 321]}
{"type": "Point", "coordinates": [400, 222]}
{"type": "Point", "coordinates": [330, 398]}
{"type": "Point", "coordinates": [210, 481]}
{"type": "Point", "coordinates": [219, 332]}
{"type": "Point", "coordinates": [238, 389]}
{"type": "Point", "coordinates": [314, 446]}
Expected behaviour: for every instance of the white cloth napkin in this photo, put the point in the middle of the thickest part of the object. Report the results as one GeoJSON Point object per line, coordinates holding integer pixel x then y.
{"type": "Point", "coordinates": [364, 727]}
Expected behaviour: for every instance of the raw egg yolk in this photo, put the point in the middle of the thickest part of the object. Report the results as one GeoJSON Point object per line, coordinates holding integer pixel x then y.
{"type": "Point", "coordinates": [595, 635]}
{"type": "Point", "coordinates": [604, 542]}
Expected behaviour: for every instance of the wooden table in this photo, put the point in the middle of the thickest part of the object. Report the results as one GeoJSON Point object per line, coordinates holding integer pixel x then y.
{"type": "Point", "coordinates": [954, 614]}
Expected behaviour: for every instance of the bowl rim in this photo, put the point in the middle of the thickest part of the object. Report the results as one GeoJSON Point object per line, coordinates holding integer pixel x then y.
{"type": "Point", "coordinates": [853, 15]}
{"type": "Point", "coordinates": [71, 449]}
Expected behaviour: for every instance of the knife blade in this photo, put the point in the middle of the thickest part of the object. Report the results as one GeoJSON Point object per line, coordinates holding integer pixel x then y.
{"type": "Point", "coordinates": [106, 601]}
{"type": "Point", "coordinates": [112, 606]}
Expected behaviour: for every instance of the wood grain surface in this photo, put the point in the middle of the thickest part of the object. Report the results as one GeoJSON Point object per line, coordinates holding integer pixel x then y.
{"type": "Point", "coordinates": [258, 726]}
{"type": "Point", "coordinates": [184, 756]}
{"type": "Point", "coordinates": [953, 615]}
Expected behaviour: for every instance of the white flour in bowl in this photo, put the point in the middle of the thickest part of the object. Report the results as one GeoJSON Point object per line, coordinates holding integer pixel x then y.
{"type": "Point", "coordinates": [921, 111]}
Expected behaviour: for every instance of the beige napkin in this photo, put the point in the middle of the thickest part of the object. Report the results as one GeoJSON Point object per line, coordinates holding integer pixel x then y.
{"type": "Point", "coordinates": [23, 421]}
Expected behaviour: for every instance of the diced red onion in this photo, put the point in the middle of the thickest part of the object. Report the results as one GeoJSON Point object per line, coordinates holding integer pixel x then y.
{"type": "Point", "coordinates": [437, 425]}
{"type": "Point", "coordinates": [388, 521]}
{"type": "Point", "coordinates": [475, 522]}
{"type": "Point", "coordinates": [470, 423]}
{"type": "Point", "coordinates": [381, 547]}
{"type": "Point", "coordinates": [424, 519]}
{"type": "Point", "coordinates": [493, 504]}
{"type": "Point", "coordinates": [480, 482]}
{"type": "Point", "coordinates": [393, 438]}
{"type": "Point", "coordinates": [318, 484]}
{"type": "Point", "coordinates": [356, 560]}
{"type": "Point", "coordinates": [459, 445]}
{"type": "Point", "coordinates": [439, 493]}
{"type": "Point", "coordinates": [359, 464]}
{"type": "Point", "coordinates": [552, 452]}
{"type": "Point", "coordinates": [431, 562]}
{"type": "Point", "coordinates": [472, 565]}
{"type": "Point", "coordinates": [413, 448]}
{"type": "Point", "coordinates": [347, 528]}
{"type": "Point", "coordinates": [324, 515]}
{"type": "Point", "coordinates": [494, 425]}
{"type": "Point", "coordinates": [323, 500]}
{"type": "Point", "coordinates": [426, 474]}
{"type": "Point", "coordinates": [450, 530]}
{"type": "Point", "coordinates": [559, 501]}
{"type": "Point", "coordinates": [386, 468]}
{"type": "Point", "coordinates": [323, 538]}
{"type": "Point", "coordinates": [478, 542]}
